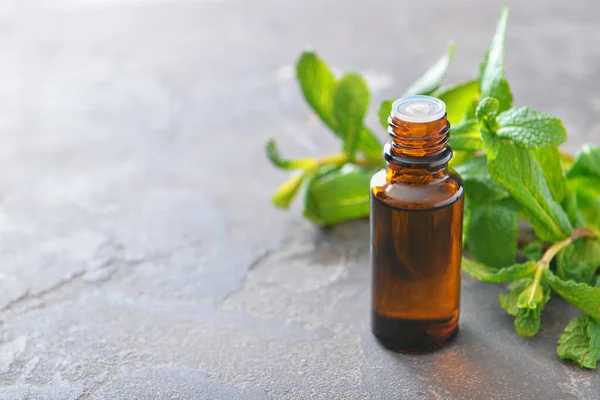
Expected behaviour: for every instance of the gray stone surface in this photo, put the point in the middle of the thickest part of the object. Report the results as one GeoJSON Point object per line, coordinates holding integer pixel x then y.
{"type": "Point", "coordinates": [140, 256]}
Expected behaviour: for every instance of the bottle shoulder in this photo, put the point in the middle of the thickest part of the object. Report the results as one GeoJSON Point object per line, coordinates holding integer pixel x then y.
{"type": "Point", "coordinates": [404, 195]}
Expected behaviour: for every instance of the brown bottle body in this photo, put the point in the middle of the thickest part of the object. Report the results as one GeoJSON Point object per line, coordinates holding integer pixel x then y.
{"type": "Point", "coordinates": [416, 240]}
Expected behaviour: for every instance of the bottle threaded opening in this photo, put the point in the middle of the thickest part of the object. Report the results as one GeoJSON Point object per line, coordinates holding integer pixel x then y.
{"type": "Point", "coordinates": [419, 129]}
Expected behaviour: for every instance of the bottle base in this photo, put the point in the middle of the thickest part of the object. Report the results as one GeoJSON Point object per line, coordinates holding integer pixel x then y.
{"type": "Point", "coordinates": [414, 336]}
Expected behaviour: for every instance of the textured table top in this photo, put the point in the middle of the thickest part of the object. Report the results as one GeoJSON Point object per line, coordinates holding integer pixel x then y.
{"type": "Point", "coordinates": [140, 257]}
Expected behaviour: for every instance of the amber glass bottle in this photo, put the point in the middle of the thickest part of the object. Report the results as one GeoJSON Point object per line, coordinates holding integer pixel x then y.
{"type": "Point", "coordinates": [416, 231]}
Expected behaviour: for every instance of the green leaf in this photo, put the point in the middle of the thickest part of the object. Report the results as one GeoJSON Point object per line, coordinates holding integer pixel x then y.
{"type": "Point", "coordinates": [385, 109]}
{"type": "Point", "coordinates": [350, 104]}
{"type": "Point", "coordinates": [487, 110]}
{"type": "Point", "coordinates": [491, 79]}
{"type": "Point", "coordinates": [475, 168]}
{"type": "Point", "coordinates": [492, 233]}
{"type": "Point", "coordinates": [318, 84]}
{"type": "Point", "coordinates": [369, 144]}
{"type": "Point", "coordinates": [460, 157]}
{"type": "Point", "coordinates": [563, 262]}
{"type": "Point", "coordinates": [504, 95]}
{"type": "Point", "coordinates": [584, 174]}
{"type": "Point", "coordinates": [509, 301]}
{"type": "Point", "coordinates": [530, 129]}
{"type": "Point", "coordinates": [528, 321]}
{"type": "Point", "coordinates": [478, 183]}
{"type": "Point", "coordinates": [286, 193]}
{"type": "Point", "coordinates": [471, 110]}
{"type": "Point", "coordinates": [589, 206]}
{"type": "Point", "coordinates": [489, 274]}
{"type": "Point", "coordinates": [589, 185]}
{"type": "Point", "coordinates": [581, 295]}
{"type": "Point", "coordinates": [491, 143]}
{"type": "Point", "coordinates": [339, 194]}
{"type": "Point", "coordinates": [530, 304]}
{"type": "Point", "coordinates": [571, 207]}
{"type": "Point", "coordinates": [554, 173]}
{"type": "Point", "coordinates": [459, 99]}
{"type": "Point", "coordinates": [431, 80]}
{"type": "Point", "coordinates": [531, 296]}
{"type": "Point", "coordinates": [465, 136]}
{"type": "Point", "coordinates": [533, 251]}
{"type": "Point", "coordinates": [521, 175]}
{"type": "Point", "coordinates": [275, 158]}
{"type": "Point", "coordinates": [593, 331]}
{"type": "Point", "coordinates": [579, 261]}
{"type": "Point", "coordinates": [580, 342]}
{"type": "Point", "coordinates": [587, 162]}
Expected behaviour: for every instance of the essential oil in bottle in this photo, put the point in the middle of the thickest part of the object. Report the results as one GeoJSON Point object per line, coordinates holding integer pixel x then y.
{"type": "Point", "coordinates": [416, 231]}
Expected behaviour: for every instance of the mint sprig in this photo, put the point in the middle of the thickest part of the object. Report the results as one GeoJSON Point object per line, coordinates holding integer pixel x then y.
{"type": "Point", "coordinates": [513, 174]}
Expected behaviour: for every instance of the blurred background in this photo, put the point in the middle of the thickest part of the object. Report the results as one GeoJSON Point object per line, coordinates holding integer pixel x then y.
{"type": "Point", "coordinates": [140, 254]}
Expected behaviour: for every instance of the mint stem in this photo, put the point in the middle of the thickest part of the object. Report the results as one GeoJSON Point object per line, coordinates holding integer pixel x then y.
{"type": "Point", "coordinates": [558, 246]}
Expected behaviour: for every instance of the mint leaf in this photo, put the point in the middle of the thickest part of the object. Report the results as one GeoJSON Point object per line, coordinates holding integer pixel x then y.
{"type": "Point", "coordinates": [530, 304]}
{"type": "Point", "coordinates": [460, 157]}
{"type": "Point", "coordinates": [369, 144]}
{"type": "Point", "coordinates": [492, 232]}
{"type": "Point", "coordinates": [509, 301]}
{"type": "Point", "coordinates": [431, 80]}
{"type": "Point", "coordinates": [589, 185]}
{"type": "Point", "coordinates": [489, 274]}
{"type": "Point", "coordinates": [385, 109]}
{"type": "Point", "coordinates": [584, 174]}
{"type": "Point", "coordinates": [563, 261]}
{"type": "Point", "coordinates": [580, 342]}
{"type": "Point", "coordinates": [491, 79]}
{"type": "Point", "coordinates": [589, 207]}
{"type": "Point", "coordinates": [288, 190]}
{"type": "Point", "coordinates": [487, 110]}
{"type": "Point", "coordinates": [479, 186]}
{"type": "Point", "coordinates": [532, 296]}
{"type": "Point", "coordinates": [465, 136]}
{"type": "Point", "coordinates": [528, 321]}
{"type": "Point", "coordinates": [460, 99]}
{"type": "Point", "coordinates": [581, 295]}
{"type": "Point", "coordinates": [533, 251]}
{"type": "Point", "coordinates": [530, 129]}
{"type": "Point", "coordinates": [278, 161]}
{"type": "Point", "coordinates": [587, 162]}
{"type": "Point", "coordinates": [549, 159]}
{"type": "Point", "coordinates": [521, 175]}
{"type": "Point", "coordinates": [593, 332]}
{"type": "Point", "coordinates": [338, 194]}
{"type": "Point", "coordinates": [579, 261]}
{"type": "Point", "coordinates": [350, 104]}
{"type": "Point", "coordinates": [318, 85]}
{"type": "Point", "coordinates": [504, 95]}
{"type": "Point", "coordinates": [571, 206]}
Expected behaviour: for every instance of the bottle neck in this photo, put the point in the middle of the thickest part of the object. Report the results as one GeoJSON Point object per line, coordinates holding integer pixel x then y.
{"type": "Point", "coordinates": [418, 152]}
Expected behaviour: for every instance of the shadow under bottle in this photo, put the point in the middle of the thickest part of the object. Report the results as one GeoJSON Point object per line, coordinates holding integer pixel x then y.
{"type": "Point", "coordinates": [416, 237]}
